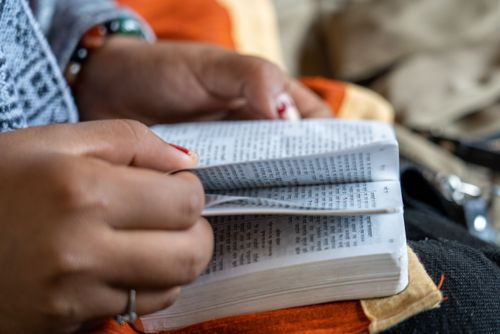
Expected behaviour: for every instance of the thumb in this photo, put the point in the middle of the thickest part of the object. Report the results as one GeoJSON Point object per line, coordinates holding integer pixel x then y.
{"type": "Point", "coordinates": [120, 142]}
{"type": "Point", "coordinates": [258, 82]}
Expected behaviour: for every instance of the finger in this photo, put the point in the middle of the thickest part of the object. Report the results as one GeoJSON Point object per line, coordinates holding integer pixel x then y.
{"type": "Point", "coordinates": [122, 142]}
{"type": "Point", "coordinates": [106, 302]}
{"type": "Point", "coordinates": [99, 301]}
{"type": "Point", "coordinates": [80, 298]}
{"type": "Point", "coordinates": [149, 301]}
{"type": "Point", "coordinates": [132, 143]}
{"type": "Point", "coordinates": [95, 300]}
{"type": "Point", "coordinates": [308, 103]}
{"type": "Point", "coordinates": [156, 260]}
{"type": "Point", "coordinates": [258, 81]}
{"type": "Point", "coordinates": [144, 199]}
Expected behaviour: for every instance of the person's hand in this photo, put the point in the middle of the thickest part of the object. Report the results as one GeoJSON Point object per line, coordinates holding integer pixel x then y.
{"type": "Point", "coordinates": [88, 212]}
{"type": "Point", "coordinates": [172, 81]}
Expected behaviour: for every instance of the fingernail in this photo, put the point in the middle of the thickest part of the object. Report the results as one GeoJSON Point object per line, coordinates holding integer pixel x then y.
{"type": "Point", "coordinates": [193, 156]}
{"type": "Point", "coordinates": [182, 149]}
{"type": "Point", "coordinates": [281, 109]}
{"type": "Point", "coordinates": [286, 108]}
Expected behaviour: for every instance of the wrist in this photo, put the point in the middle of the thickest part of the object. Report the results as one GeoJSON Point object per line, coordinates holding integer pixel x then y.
{"type": "Point", "coordinates": [109, 80]}
{"type": "Point", "coordinates": [94, 39]}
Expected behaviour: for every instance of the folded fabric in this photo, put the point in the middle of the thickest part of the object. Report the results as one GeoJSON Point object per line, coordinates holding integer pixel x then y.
{"type": "Point", "coordinates": [420, 295]}
{"type": "Point", "coordinates": [371, 315]}
{"type": "Point", "coordinates": [351, 101]}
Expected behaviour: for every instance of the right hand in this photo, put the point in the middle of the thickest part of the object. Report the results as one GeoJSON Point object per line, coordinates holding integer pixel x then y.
{"type": "Point", "coordinates": [87, 212]}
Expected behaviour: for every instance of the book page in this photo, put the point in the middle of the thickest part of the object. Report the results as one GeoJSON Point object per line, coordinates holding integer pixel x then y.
{"type": "Point", "coordinates": [341, 199]}
{"type": "Point", "coordinates": [228, 142]}
{"type": "Point", "coordinates": [374, 162]}
{"type": "Point", "coordinates": [245, 244]}
{"type": "Point", "coordinates": [236, 155]}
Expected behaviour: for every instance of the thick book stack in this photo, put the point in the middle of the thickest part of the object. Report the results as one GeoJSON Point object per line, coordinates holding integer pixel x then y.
{"type": "Point", "coordinates": [302, 212]}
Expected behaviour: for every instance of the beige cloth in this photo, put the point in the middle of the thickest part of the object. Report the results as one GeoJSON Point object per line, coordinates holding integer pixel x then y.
{"type": "Point", "coordinates": [255, 29]}
{"type": "Point", "coordinates": [362, 37]}
{"type": "Point", "coordinates": [433, 90]}
{"type": "Point", "coordinates": [363, 103]}
{"type": "Point", "coordinates": [420, 295]}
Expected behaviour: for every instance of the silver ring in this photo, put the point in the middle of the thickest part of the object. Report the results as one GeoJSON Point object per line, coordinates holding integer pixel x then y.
{"type": "Point", "coordinates": [129, 316]}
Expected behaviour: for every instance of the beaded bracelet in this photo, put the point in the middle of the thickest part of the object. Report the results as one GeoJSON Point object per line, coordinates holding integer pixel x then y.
{"type": "Point", "coordinates": [95, 38]}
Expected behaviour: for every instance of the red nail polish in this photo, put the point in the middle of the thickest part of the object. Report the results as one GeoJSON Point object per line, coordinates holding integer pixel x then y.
{"type": "Point", "coordinates": [180, 148]}
{"type": "Point", "coordinates": [281, 109]}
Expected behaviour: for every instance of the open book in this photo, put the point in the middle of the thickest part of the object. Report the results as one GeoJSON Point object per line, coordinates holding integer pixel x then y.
{"type": "Point", "coordinates": [303, 213]}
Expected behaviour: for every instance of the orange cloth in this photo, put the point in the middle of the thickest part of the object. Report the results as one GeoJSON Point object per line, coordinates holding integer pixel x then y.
{"type": "Point", "coordinates": [333, 318]}
{"type": "Point", "coordinates": [112, 327]}
{"type": "Point", "coordinates": [194, 20]}
{"type": "Point", "coordinates": [332, 92]}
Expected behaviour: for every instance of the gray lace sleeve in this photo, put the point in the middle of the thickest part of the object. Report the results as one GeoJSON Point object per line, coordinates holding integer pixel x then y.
{"type": "Point", "coordinates": [70, 19]}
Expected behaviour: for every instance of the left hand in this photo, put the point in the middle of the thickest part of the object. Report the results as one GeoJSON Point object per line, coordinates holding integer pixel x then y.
{"type": "Point", "coordinates": [168, 82]}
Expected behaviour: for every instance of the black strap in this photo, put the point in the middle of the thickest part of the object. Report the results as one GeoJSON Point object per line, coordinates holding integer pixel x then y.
{"type": "Point", "coordinates": [422, 194]}
{"type": "Point", "coordinates": [484, 152]}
